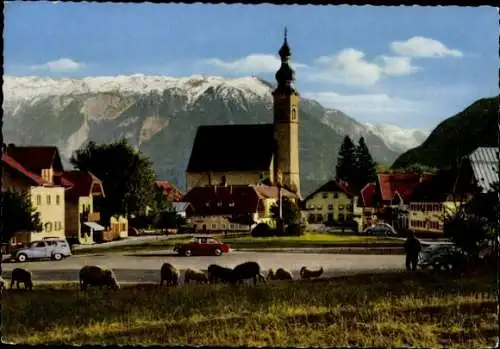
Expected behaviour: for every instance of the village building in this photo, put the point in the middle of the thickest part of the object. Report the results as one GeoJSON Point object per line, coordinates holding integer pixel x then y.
{"type": "Point", "coordinates": [332, 203]}
{"type": "Point", "coordinates": [252, 154]}
{"type": "Point", "coordinates": [368, 202]}
{"type": "Point", "coordinates": [232, 208]}
{"type": "Point", "coordinates": [21, 172]}
{"type": "Point", "coordinates": [171, 192]}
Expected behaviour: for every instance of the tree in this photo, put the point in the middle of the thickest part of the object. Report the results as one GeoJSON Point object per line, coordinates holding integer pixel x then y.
{"type": "Point", "coordinates": [419, 168]}
{"type": "Point", "coordinates": [364, 166]}
{"type": "Point", "coordinates": [290, 211]}
{"type": "Point", "coordinates": [346, 160]}
{"type": "Point", "coordinates": [18, 214]}
{"type": "Point", "coordinates": [467, 231]}
{"type": "Point", "coordinates": [127, 176]}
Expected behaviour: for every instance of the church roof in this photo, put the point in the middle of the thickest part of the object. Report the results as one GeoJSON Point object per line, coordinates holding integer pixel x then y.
{"type": "Point", "coordinates": [224, 148]}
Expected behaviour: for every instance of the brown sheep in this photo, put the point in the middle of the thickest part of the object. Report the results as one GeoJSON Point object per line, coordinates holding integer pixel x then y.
{"type": "Point", "coordinates": [196, 276]}
{"type": "Point", "coordinates": [307, 274]}
{"type": "Point", "coordinates": [247, 270]}
{"type": "Point", "coordinates": [21, 275]}
{"type": "Point", "coordinates": [169, 274]}
{"type": "Point", "coordinates": [93, 275]}
{"type": "Point", "coordinates": [281, 274]}
{"type": "Point", "coordinates": [217, 273]}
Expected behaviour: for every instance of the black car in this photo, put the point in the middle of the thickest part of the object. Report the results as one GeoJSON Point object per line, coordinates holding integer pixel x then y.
{"type": "Point", "coordinates": [442, 257]}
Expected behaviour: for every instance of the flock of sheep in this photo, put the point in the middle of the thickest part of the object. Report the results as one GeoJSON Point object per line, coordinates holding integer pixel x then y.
{"type": "Point", "coordinates": [93, 275]}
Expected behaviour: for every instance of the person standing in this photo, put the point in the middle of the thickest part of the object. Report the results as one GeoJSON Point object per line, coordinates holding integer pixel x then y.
{"type": "Point", "coordinates": [412, 249]}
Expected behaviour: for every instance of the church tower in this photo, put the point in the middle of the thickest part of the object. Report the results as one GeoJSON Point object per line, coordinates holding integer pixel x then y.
{"type": "Point", "coordinates": [286, 123]}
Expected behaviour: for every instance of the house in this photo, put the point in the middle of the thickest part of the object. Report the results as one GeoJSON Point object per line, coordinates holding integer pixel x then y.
{"type": "Point", "coordinates": [172, 193]}
{"type": "Point", "coordinates": [227, 208]}
{"type": "Point", "coordinates": [436, 197]}
{"type": "Point", "coordinates": [394, 193]}
{"type": "Point", "coordinates": [332, 202]}
{"type": "Point", "coordinates": [181, 208]}
{"type": "Point", "coordinates": [47, 197]}
{"type": "Point", "coordinates": [368, 202]}
{"type": "Point", "coordinates": [82, 216]}
{"type": "Point", "coordinates": [252, 154]}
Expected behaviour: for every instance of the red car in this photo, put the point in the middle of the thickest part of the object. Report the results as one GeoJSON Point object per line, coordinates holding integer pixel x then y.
{"type": "Point", "coordinates": [202, 245]}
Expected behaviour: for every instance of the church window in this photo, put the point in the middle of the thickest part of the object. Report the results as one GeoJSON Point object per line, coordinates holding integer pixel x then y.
{"type": "Point", "coordinates": [294, 114]}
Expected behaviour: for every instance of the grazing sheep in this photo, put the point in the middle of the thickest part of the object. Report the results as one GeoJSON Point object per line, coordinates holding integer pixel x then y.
{"type": "Point", "coordinates": [196, 276]}
{"type": "Point", "coordinates": [247, 270]}
{"type": "Point", "coordinates": [169, 274]}
{"type": "Point", "coordinates": [93, 275]}
{"type": "Point", "coordinates": [309, 274]}
{"type": "Point", "coordinates": [281, 274]}
{"type": "Point", "coordinates": [21, 275]}
{"type": "Point", "coordinates": [216, 273]}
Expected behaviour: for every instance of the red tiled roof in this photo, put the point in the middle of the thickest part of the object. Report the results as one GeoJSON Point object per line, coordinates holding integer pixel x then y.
{"type": "Point", "coordinates": [83, 183]}
{"type": "Point", "coordinates": [60, 180]}
{"type": "Point", "coordinates": [36, 158]}
{"type": "Point", "coordinates": [403, 184]}
{"type": "Point", "coordinates": [230, 200]}
{"type": "Point", "coordinates": [171, 191]}
{"type": "Point", "coordinates": [35, 179]}
{"type": "Point", "coordinates": [368, 194]}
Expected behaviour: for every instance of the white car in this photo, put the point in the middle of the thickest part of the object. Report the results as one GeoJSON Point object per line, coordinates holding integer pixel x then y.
{"type": "Point", "coordinates": [55, 249]}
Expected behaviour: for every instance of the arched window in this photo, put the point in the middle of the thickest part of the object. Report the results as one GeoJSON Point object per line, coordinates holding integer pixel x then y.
{"type": "Point", "coordinates": [294, 114]}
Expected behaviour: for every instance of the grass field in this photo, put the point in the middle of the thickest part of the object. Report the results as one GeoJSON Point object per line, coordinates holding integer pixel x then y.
{"type": "Point", "coordinates": [306, 240]}
{"type": "Point", "coordinates": [382, 310]}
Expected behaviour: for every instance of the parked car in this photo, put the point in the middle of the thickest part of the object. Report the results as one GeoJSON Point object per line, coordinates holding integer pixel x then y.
{"type": "Point", "coordinates": [443, 257]}
{"type": "Point", "coordinates": [380, 229]}
{"type": "Point", "coordinates": [52, 248]}
{"type": "Point", "coordinates": [202, 245]}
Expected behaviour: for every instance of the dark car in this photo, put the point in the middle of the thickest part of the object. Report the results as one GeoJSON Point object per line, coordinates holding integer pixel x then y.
{"type": "Point", "coordinates": [443, 257]}
{"type": "Point", "coordinates": [380, 229]}
{"type": "Point", "coordinates": [202, 246]}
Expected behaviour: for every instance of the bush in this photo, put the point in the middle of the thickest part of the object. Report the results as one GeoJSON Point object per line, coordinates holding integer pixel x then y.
{"type": "Point", "coordinates": [263, 230]}
{"type": "Point", "coordinates": [295, 229]}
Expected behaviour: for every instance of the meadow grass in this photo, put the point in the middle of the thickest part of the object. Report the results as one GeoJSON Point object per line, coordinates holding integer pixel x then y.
{"type": "Point", "coordinates": [249, 242]}
{"type": "Point", "coordinates": [372, 310]}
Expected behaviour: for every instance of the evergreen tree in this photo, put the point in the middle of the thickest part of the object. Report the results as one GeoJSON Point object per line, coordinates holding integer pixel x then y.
{"type": "Point", "coordinates": [365, 168]}
{"type": "Point", "coordinates": [346, 161]}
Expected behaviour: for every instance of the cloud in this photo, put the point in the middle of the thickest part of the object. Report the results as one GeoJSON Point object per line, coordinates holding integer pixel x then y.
{"type": "Point", "coordinates": [254, 63]}
{"type": "Point", "coordinates": [364, 103]}
{"type": "Point", "coordinates": [419, 46]}
{"type": "Point", "coordinates": [59, 65]}
{"type": "Point", "coordinates": [397, 66]}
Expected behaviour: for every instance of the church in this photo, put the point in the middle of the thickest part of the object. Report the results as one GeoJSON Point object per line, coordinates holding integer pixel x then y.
{"type": "Point", "coordinates": [253, 154]}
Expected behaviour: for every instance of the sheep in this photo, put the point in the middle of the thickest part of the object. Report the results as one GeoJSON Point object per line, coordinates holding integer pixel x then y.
{"type": "Point", "coordinates": [169, 274]}
{"type": "Point", "coordinates": [281, 274]}
{"type": "Point", "coordinates": [21, 275]}
{"type": "Point", "coordinates": [309, 274]}
{"type": "Point", "coordinates": [245, 271]}
{"type": "Point", "coordinates": [196, 276]}
{"type": "Point", "coordinates": [217, 273]}
{"type": "Point", "coordinates": [94, 275]}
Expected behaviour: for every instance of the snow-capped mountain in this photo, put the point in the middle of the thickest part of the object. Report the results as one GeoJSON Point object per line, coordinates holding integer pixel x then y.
{"type": "Point", "coordinates": [397, 138]}
{"type": "Point", "coordinates": [159, 115]}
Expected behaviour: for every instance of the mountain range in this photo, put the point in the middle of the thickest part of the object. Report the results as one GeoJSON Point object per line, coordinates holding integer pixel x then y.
{"type": "Point", "coordinates": [159, 116]}
{"type": "Point", "coordinates": [457, 136]}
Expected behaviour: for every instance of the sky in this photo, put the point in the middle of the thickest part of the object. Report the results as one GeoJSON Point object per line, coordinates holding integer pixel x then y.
{"type": "Point", "coordinates": [406, 66]}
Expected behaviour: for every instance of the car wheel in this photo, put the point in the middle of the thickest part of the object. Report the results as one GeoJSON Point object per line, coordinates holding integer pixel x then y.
{"type": "Point", "coordinates": [187, 253]}
{"type": "Point", "coordinates": [22, 258]}
{"type": "Point", "coordinates": [57, 256]}
{"type": "Point", "coordinates": [218, 252]}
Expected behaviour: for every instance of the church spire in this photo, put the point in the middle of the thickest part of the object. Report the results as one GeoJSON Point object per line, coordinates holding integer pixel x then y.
{"type": "Point", "coordinates": [285, 76]}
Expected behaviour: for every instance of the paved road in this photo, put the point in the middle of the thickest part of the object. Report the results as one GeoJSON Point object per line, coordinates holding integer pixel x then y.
{"type": "Point", "coordinates": [140, 267]}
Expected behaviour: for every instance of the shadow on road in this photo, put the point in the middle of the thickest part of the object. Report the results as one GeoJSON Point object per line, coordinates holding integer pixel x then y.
{"type": "Point", "coordinates": [160, 254]}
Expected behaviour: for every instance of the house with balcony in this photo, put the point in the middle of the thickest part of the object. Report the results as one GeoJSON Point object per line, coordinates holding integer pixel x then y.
{"type": "Point", "coordinates": [227, 208]}
{"type": "Point", "coordinates": [332, 203]}
{"type": "Point", "coordinates": [432, 200]}
{"type": "Point", "coordinates": [82, 214]}
{"type": "Point", "coordinates": [32, 172]}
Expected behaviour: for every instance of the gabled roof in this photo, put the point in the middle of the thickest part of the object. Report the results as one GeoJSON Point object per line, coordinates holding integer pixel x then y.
{"type": "Point", "coordinates": [484, 163]}
{"type": "Point", "coordinates": [84, 183]}
{"type": "Point", "coordinates": [402, 183]}
{"type": "Point", "coordinates": [220, 200]}
{"type": "Point", "coordinates": [331, 187]}
{"type": "Point", "coordinates": [36, 158]}
{"type": "Point", "coordinates": [224, 148]}
{"type": "Point", "coordinates": [180, 206]}
{"type": "Point", "coordinates": [171, 191]}
{"type": "Point", "coordinates": [13, 164]}
{"type": "Point", "coordinates": [368, 195]}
